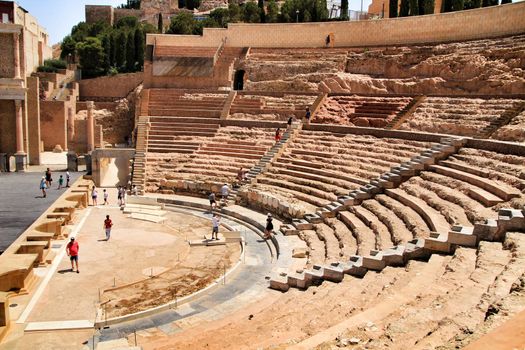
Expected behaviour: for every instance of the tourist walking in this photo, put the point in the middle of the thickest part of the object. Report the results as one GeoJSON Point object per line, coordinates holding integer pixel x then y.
{"type": "Point", "coordinates": [72, 251]}
{"type": "Point", "coordinates": [269, 227]}
{"type": "Point", "coordinates": [108, 224]}
{"type": "Point", "coordinates": [213, 202]}
{"type": "Point", "coordinates": [94, 195]}
{"type": "Point", "coordinates": [123, 195]}
{"type": "Point", "coordinates": [290, 121]}
{"type": "Point", "coordinates": [277, 135]}
{"type": "Point", "coordinates": [225, 192]}
{"type": "Point", "coordinates": [49, 179]}
{"type": "Point", "coordinates": [43, 186]}
{"type": "Point", "coordinates": [106, 196]}
{"type": "Point", "coordinates": [241, 175]}
{"type": "Point", "coordinates": [308, 115]}
{"type": "Point", "coordinates": [215, 222]}
{"type": "Point", "coordinates": [119, 195]}
{"type": "Point", "coordinates": [60, 182]}
{"type": "Point", "coordinates": [68, 177]}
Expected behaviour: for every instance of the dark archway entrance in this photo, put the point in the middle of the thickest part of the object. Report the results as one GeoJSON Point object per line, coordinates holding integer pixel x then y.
{"type": "Point", "coordinates": [238, 81]}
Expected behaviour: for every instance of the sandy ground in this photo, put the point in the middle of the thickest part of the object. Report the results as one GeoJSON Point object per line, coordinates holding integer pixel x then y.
{"type": "Point", "coordinates": [193, 269]}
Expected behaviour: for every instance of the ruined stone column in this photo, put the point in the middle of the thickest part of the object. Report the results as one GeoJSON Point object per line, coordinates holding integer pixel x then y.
{"type": "Point", "coordinates": [90, 125]}
{"type": "Point", "coordinates": [16, 44]}
{"type": "Point", "coordinates": [70, 125]}
{"type": "Point", "coordinates": [20, 155]}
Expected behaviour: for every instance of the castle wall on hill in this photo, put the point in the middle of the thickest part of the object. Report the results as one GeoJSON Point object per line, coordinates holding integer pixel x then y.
{"type": "Point", "coordinates": [121, 13]}
{"type": "Point", "coordinates": [99, 13]}
{"type": "Point", "coordinates": [108, 14]}
{"type": "Point", "coordinates": [454, 26]}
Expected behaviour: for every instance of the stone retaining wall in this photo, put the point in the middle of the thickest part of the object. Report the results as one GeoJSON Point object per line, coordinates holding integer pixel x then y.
{"type": "Point", "coordinates": [114, 87]}
{"type": "Point", "coordinates": [473, 24]}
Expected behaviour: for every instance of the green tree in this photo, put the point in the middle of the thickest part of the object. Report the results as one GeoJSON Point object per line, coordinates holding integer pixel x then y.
{"type": "Point", "coordinates": [160, 24]}
{"type": "Point", "coordinates": [427, 8]}
{"type": "Point", "coordinates": [506, 2]}
{"type": "Point", "coordinates": [260, 4]}
{"type": "Point", "coordinates": [392, 9]}
{"type": "Point", "coordinates": [106, 44]}
{"type": "Point", "coordinates": [128, 22]}
{"type": "Point", "coordinates": [454, 5]}
{"type": "Point", "coordinates": [91, 57]}
{"type": "Point", "coordinates": [414, 7]}
{"type": "Point", "coordinates": [139, 48]}
{"type": "Point", "coordinates": [316, 10]}
{"type": "Point", "coordinates": [273, 12]}
{"type": "Point", "coordinates": [472, 4]}
{"type": "Point", "coordinates": [344, 10]}
{"type": "Point", "coordinates": [221, 16]}
{"type": "Point", "coordinates": [113, 53]}
{"type": "Point", "coordinates": [307, 17]}
{"type": "Point", "coordinates": [234, 12]}
{"type": "Point", "coordinates": [404, 8]}
{"type": "Point", "coordinates": [80, 32]}
{"type": "Point", "coordinates": [182, 23]}
{"type": "Point", "coordinates": [148, 28]}
{"type": "Point", "coordinates": [130, 52]}
{"type": "Point", "coordinates": [120, 50]}
{"type": "Point", "coordinates": [68, 47]}
{"type": "Point", "coordinates": [206, 23]}
{"type": "Point", "coordinates": [487, 3]}
{"type": "Point", "coordinates": [320, 11]}
{"type": "Point", "coordinates": [250, 13]}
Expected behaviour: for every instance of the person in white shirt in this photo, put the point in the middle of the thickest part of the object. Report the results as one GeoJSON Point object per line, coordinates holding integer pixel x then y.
{"type": "Point", "coordinates": [225, 191]}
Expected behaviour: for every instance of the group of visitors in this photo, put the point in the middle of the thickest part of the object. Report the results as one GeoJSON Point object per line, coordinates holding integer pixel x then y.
{"type": "Point", "coordinates": [47, 181]}
{"type": "Point", "coordinates": [121, 195]}
{"type": "Point", "coordinates": [225, 192]}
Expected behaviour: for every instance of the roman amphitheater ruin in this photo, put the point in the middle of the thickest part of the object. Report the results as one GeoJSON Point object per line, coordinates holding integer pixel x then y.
{"type": "Point", "coordinates": [398, 207]}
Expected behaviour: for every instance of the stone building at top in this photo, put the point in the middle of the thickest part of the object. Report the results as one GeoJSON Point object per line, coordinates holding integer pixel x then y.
{"type": "Point", "coordinates": [23, 46]}
{"type": "Point", "coordinates": [149, 11]}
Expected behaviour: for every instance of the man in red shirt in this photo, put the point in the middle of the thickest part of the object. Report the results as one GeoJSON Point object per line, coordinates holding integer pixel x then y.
{"type": "Point", "coordinates": [107, 226]}
{"type": "Point", "coordinates": [72, 251]}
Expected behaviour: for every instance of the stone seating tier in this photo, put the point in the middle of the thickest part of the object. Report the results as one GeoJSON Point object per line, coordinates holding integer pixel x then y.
{"type": "Point", "coordinates": [317, 167]}
{"type": "Point", "coordinates": [352, 107]}
{"type": "Point", "coordinates": [461, 116]}
{"type": "Point", "coordinates": [397, 255]}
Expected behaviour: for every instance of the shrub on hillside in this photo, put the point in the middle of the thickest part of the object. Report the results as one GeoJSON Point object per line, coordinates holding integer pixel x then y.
{"type": "Point", "coordinates": [58, 64]}
{"type": "Point", "coordinates": [46, 69]}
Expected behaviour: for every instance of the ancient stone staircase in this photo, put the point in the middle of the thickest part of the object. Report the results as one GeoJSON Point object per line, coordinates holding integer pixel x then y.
{"type": "Point", "coordinates": [405, 113]}
{"type": "Point", "coordinates": [502, 120]}
{"type": "Point", "coordinates": [267, 159]}
{"type": "Point", "coordinates": [139, 161]}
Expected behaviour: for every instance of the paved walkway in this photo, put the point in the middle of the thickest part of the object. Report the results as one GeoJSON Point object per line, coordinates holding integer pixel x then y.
{"type": "Point", "coordinates": [21, 203]}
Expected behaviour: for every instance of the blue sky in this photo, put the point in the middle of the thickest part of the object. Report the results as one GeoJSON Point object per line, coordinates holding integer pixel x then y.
{"type": "Point", "coordinates": [58, 16]}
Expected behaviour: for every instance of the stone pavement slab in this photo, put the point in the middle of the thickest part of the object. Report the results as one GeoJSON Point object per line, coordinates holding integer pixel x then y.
{"type": "Point", "coordinates": [21, 203]}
